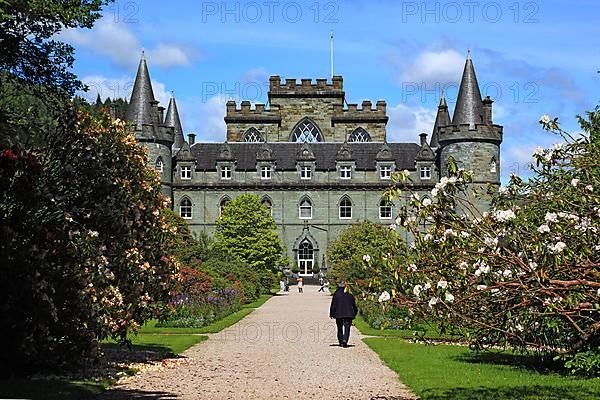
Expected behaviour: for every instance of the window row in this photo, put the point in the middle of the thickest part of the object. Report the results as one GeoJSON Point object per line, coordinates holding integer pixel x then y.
{"type": "Point", "coordinates": [266, 172]}
{"type": "Point", "coordinates": [306, 131]}
{"type": "Point", "coordinates": [305, 208]}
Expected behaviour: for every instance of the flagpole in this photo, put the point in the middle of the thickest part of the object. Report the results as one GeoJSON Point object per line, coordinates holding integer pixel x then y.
{"type": "Point", "coordinates": [331, 51]}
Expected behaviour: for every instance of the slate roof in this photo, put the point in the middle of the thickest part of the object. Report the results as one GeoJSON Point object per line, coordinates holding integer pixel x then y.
{"type": "Point", "coordinates": [286, 153]}
{"type": "Point", "coordinates": [469, 106]}
{"type": "Point", "coordinates": [140, 109]}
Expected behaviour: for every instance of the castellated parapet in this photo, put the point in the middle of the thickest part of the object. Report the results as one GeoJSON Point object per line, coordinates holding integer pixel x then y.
{"type": "Point", "coordinates": [292, 102]}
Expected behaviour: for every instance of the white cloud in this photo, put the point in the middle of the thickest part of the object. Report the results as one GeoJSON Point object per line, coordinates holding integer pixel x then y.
{"type": "Point", "coordinates": [116, 41]}
{"type": "Point", "coordinates": [204, 118]}
{"type": "Point", "coordinates": [437, 67]}
{"type": "Point", "coordinates": [407, 122]}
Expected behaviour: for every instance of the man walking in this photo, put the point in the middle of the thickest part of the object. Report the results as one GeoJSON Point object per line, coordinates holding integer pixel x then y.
{"type": "Point", "coordinates": [343, 309]}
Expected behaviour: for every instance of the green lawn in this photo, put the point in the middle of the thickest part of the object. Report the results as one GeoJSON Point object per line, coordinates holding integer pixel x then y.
{"type": "Point", "coordinates": [455, 373]}
{"type": "Point", "coordinates": [431, 333]}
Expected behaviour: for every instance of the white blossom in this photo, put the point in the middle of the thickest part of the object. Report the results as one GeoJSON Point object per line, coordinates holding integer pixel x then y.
{"type": "Point", "coordinates": [463, 265]}
{"type": "Point", "coordinates": [575, 182]}
{"type": "Point", "coordinates": [427, 286]}
{"type": "Point", "coordinates": [519, 327]}
{"type": "Point", "coordinates": [465, 234]}
{"type": "Point", "coordinates": [417, 290]}
{"type": "Point", "coordinates": [507, 273]}
{"type": "Point", "coordinates": [384, 296]}
{"type": "Point", "coordinates": [481, 287]}
{"type": "Point", "coordinates": [543, 228]}
{"type": "Point", "coordinates": [503, 190]}
{"type": "Point", "coordinates": [449, 297]}
{"type": "Point", "coordinates": [449, 233]}
{"type": "Point", "coordinates": [433, 301]}
{"type": "Point", "coordinates": [533, 265]}
{"type": "Point", "coordinates": [412, 268]}
{"type": "Point", "coordinates": [558, 247]}
{"type": "Point", "coordinates": [427, 237]}
{"type": "Point", "coordinates": [589, 188]}
{"type": "Point", "coordinates": [504, 215]}
{"type": "Point", "coordinates": [442, 284]}
{"type": "Point", "coordinates": [426, 202]}
{"type": "Point", "coordinates": [366, 258]}
{"type": "Point", "coordinates": [551, 217]}
{"type": "Point", "coordinates": [545, 119]}
{"type": "Point", "coordinates": [539, 152]}
{"type": "Point", "coordinates": [434, 192]}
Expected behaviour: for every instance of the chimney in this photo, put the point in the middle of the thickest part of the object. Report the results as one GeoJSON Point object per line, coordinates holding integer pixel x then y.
{"type": "Point", "coordinates": [191, 138]}
{"type": "Point", "coordinates": [423, 137]}
{"type": "Point", "coordinates": [487, 110]}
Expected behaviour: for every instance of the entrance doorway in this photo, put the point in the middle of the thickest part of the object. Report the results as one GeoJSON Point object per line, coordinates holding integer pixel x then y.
{"type": "Point", "coordinates": [306, 257]}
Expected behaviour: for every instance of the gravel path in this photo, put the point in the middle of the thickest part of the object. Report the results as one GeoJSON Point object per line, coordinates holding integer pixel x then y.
{"type": "Point", "coordinates": [286, 349]}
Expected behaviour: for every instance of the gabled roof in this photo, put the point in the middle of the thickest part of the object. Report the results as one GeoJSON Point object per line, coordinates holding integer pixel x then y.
{"type": "Point", "coordinates": [285, 154]}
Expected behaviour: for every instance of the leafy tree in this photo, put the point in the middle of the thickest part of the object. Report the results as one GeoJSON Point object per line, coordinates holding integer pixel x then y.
{"type": "Point", "coordinates": [82, 242]}
{"type": "Point", "coordinates": [357, 243]}
{"type": "Point", "coordinates": [525, 275]}
{"type": "Point", "coordinates": [246, 231]}
{"type": "Point", "coordinates": [29, 48]}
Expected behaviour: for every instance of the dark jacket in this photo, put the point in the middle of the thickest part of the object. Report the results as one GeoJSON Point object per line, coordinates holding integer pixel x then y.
{"type": "Point", "coordinates": [343, 305]}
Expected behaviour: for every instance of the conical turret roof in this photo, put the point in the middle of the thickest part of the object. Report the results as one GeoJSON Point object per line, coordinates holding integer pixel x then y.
{"type": "Point", "coordinates": [172, 119]}
{"type": "Point", "coordinates": [469, 106]}
{"type": "Point", "coordinates": [140, 107]}
{"type": "Point", "coordinates": [442, 119]}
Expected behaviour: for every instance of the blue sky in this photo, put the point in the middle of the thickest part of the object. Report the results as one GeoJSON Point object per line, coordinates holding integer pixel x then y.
{"type": "Point", "coordinates": [532, 58]}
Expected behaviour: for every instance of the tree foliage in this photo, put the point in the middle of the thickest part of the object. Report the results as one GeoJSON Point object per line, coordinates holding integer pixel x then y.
{"type": "Point", "coordinates": [30, 49]}
{"type": "Point", "coordinates": [525, 274]}
{"type": "Point", "coordinates": [82, 241]}
{"type": "Point", "coordinates": [246, 231]}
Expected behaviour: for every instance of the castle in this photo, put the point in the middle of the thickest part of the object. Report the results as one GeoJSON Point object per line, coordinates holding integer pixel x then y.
{"type": "Point", "coordinates": [317, 164]}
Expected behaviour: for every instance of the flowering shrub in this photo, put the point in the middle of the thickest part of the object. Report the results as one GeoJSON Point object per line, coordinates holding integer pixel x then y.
{"type": "Point", "coordinates": [81, 241]}
{"type": "Point", "coordinates": [525, 274]}
{"type": "Point", "coordinates": [202, 300]}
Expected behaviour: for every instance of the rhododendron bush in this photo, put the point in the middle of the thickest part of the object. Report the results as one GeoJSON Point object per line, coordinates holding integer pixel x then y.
{"type": "Point", "coordinates": [82, 241]}
{"type": "Point", "coordinates": [524, 275]}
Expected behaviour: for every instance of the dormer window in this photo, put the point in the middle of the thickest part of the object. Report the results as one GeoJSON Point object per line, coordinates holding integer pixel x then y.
{"type": "Point", "coordinates": [186, 172]}
{"type": "Point", "coordinates": [305, 172]}
{"type": "Point", "coordinates": [225, 172]}
{"type": "Point", "coordinates": [385, 172]}
{"type": "Point", "coordinates": [425, 172]}
{"type": "Point", "coordinates": [266, 172]}
{"type": "Point", "coordinates": [345, 172]}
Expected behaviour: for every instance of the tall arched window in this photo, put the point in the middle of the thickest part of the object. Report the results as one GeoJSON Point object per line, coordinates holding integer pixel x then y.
{"type": "Point", "coordinates": [306, 131]}
{"type": "Point", "coordinates": [306, 257]}
{"type": "Point", "coordinates": [345, 208]}
{"type": "Point", "coordinates": [224, 201]}
{"type": "Point", "coordinates": [267, 203]}
{"type": "Point", "coordinates": [385, 209]}
{"type": "Point", "coordinates": [305, 209]}
{"type": "Point", "coordinates": [359, 135]}
{"type": "Point", "coordinates": [252, 135]}
{"type": "Point", "coordinates": [185, 208]}
{"type": "Point", "coordinates": [159, 165]}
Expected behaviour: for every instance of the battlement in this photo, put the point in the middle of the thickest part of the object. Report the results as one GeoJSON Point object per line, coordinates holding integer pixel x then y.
{"type": "Point", "coordinates": [248, 114]}
{"type": "Point", "coordinates": [366, 113]}
{"type": "Point", "coordinates": [466, 133]}
{"type": "Point", "coordinates": [306, 87]}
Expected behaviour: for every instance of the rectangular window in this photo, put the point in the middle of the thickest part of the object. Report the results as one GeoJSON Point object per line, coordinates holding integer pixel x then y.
{"type": "Point", "coordinates": [385, 172]}
{"type": "Point", "coordinates": [425, 172]}
{"type": "Point", "coordinates": [266, 172]}
{"type": "Point", "coordinates": [345, 172]}
{"type": "Point", "coordinates": [385, 210]}
{"type": "Point", "coordinates": [225, 172]}
{"type": "Point", "coordinates": [305, 172]}
{"type": "Point", "coordinates": [346, 211]}
{"type": "Point", "coordinates": [186, 172]}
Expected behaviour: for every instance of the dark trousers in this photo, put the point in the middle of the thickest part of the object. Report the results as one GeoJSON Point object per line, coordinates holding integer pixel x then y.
{"type": "Point", "coordinates": [343, 329]}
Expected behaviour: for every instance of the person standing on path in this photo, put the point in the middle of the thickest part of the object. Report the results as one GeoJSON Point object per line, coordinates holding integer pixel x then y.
{"type": "Point", "coordinates": [343, 309]}
{"type": "Point", "coordinates": [300, 285]}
